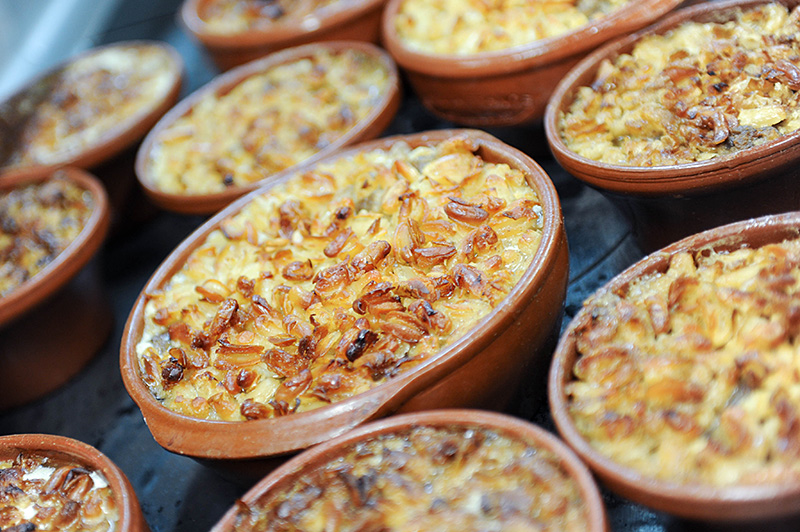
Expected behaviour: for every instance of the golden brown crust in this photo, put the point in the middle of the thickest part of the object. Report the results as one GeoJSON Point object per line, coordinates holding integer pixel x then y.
{"type": "Point", "coordinates": [228, 17]}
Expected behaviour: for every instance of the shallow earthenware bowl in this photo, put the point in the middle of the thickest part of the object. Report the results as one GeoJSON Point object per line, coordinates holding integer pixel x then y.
{"type": "Point", "coordinates": [666, 203]}
{"type": "Point", "coordinates": [740, 505]}
{"type": "Point", "coordinates": [507, 87]}
{"type": "Point", "coordinates": [317, 458]}
{"type": "Point", "coordinates": [481, 369]}
{"type": "Point", "coordinates": [68, 450]}
{"type": "Point", "coordinates": [378, 118]}
{"type": "Point", "coordinates": [357, 20]}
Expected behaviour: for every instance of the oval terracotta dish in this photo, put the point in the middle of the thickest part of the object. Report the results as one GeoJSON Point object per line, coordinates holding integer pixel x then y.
{"type": "Point", "coordinates": [378, 111]}
{"type": "Point", "coordinates": [423, 439]}
{"type": "Point", "coordinates": [481, 368]}
{"type": "Point", "coordinates": [668, 202]}
{"type": "Point", "coordinates": [719, 480]}
{"type": "Point", "coordinates": [357, 20]}
{"type": "Point", "coordinates": [512, 86]}
{"type": "Point", "coordinates": [87, 473]}
{"type": "Point", "coordinates": [111, 95]}
{"type": "Point", "coordinates": [48, 301]}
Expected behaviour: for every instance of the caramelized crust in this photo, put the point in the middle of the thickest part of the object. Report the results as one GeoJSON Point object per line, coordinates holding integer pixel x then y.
{"type": "Point", "coordinates": [226, 17]}
{"type": "Point", "coordinates": [337, 280]}
{"type": "Point", "coordinates": [701, 90]}
{"type": "Point", "coordinates": [692, 375]}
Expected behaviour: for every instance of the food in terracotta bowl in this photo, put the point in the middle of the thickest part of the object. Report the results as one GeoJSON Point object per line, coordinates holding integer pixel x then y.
{"type": "Point", "coordinates": [400, 274]}
{"type": "Point", "coordinates": [691, 123]}
{"type": "Point", "coordinates": [90, 108]}
{"type": "Point", "coordinates": [445, 470]}
{"type": "Point", "coordinates": [235, 32]}
{"type": "Point", "coordinates": [496, 63]}
{"type": "Point", "coordinates": [57, 483]}
{"type": "Point", "coordinates": [676, 381]}
{"type": "Point", "coordinates": [259, 119]}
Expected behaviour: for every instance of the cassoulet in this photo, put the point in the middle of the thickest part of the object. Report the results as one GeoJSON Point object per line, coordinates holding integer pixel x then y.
{"type": "Point", "coordinates": [226, 17]}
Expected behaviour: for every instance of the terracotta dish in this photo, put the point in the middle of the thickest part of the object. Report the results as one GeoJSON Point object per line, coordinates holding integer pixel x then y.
{"type": "Point", "coordinates": [90, 108]}
{"type": "Point", "coordinates": [668, 202]}
{"type": "Point", "coordinates": [354, 99]}
{"type": "Point", "coordinates": [394, 458]}
{"type": "Point", "coordinates": [357, 20]}
{"type": "Point", "coordinates": [316, 401]}
{"type": "Point", "coordinates": [511, 86]}
{"type": "Point", "coordinates": [87, 488]}
{"type": "Point", "coordinates": [676, 451]}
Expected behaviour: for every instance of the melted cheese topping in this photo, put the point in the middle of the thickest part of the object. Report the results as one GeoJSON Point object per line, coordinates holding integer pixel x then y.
{"type": "Point", "coordinates": [38, 493]}
{"type": "Point", "coordinates": [268, 122]}
{"type": "Point", "coordinates": [428, 479]}
{"type": "Point", "coordinates": [345, 276]}
{"type": "Point", "coordinates": [83, 104]}
{"type": "Point", "coordinates": [701, 90]}
{"type": "Point", "coordinates": [474, 26]}
{"type": "Point", "coordinates": [37, 223]}
{"type": "Point", "coordinates": [693, 375]}
{"type": "Point", "coordinates": [227, 17]}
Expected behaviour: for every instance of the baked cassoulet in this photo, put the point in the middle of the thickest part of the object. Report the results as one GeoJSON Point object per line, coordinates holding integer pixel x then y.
{"type": "Point", "coordinates": [37, 222]}
{"type": "Point", "coordinates": [699, 91]}
{"type": "Point", "coordinates": [691, 375]}
{"type": "Point", "coordinates": [338, 279]}
{"type": "Point", "coordinates": [464, 27]}
{"type": "Point", "coordinates": [42, 493]}
{"type": "Point", "coordinates": [427, 478]}
{"type": "Point", "coordinates": [228, 17]}
{"type": "Point", "coordinates": [268, 122]}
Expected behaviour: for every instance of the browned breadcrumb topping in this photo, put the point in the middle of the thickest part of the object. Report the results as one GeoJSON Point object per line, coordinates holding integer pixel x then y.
{"type": "Point", "coordinates": [236, 16]}
{"type": "Point", "coordinates": [41, 493]}
{"type": "Point", "coordinates": [691, 375]}
{"type": "Point", "coordinates": [37, 222]}
{"type": "Point", "coordinates": [700, 91]}
{"type": "Point", "coordinates": [343, 277]}
{"type": "Point", "coordinates": [427, 478]}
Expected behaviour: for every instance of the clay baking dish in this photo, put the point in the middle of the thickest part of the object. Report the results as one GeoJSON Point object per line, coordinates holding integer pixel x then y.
{"type": "Point", "coordinates": [377, 114]}
{"type": "Point", "coordinates": [64, 92]}
{"type": "Point", "coordinates": [666, 203]}
{"type": "Point", "coordinates": [59, 451]}
{"type": "Point", "coordinates": [414, 447]}
{"type": "Point", "coordinates": [48, 301]}
{"type": "Point", "coordinates": [483, 368]}
{"type": "Point", "coordinates": [357, 20]}
{"type": "Point", "coordinates": [755, 490]}
{"type": "Point", "coordinates": [507, 87]}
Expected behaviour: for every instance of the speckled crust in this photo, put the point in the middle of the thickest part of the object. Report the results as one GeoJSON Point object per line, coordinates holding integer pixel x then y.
{"type": "Point", "coordinates": [79, 106]}
{"type": "Point", "coordinates": [268, 122]}
{"type": "Point", "coordinates": [343, 277]}
{"type": "Point", "coordinates": [699, 91]}
{"type": "Point", "coordinates": [40, 493]}
{"type": "Point", "coordinates": [228, 17]}
{"type": "Point", "coordinates": [37, 222]}
{"type": "Point", "coordinates": [427, 478]}
{"type": "Point", "coordinates": [692, 375]}
{"type": "Point", "coordinates": [472, 26]}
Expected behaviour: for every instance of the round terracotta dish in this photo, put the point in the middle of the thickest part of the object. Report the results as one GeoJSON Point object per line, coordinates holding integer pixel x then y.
{"type": "Point", "coordinates": [76, 474]}
{"type": "Point", "coordinates": [482, 368]}
{"type": "Point", "coordinates": [666, 203]}
{"type": "Point", "coordinates": [512, 86]}
{"type": "Point", "coordinates": [47, 301]}
{"type": "Point", "coordinates": [721, 476]}
{"type": "Point", "coordinates": [406, 452]}
{"type": "Point", "coordinates": [357, 20]}
{"type": "Point", "coordinates": [110, 96]}
{"type": "Point", "coordinates": [284, 140]}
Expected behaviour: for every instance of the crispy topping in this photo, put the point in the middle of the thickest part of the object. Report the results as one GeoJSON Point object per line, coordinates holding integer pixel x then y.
{"type": "Point", "coordinates": [237, 16]}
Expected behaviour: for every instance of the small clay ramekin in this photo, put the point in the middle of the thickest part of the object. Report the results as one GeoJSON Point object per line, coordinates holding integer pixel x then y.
{"type": "Point", "coordinates": [69, 451]}
{"type": "Point", "coordinates": [507, 87]}
{"type": "Point", "coordinates": [483, 368]}
{"type": "Point", "coordinates": [285, 478]}
{"type": "Point", "coordinates": [368, 128]}
{"type": "Point", "coordinates": [66, 299]}
{"type": "Point", "coordinates": [740, 504]}
{"type": "Point", "coordinates": [358, 21]}
{"type": "Point", "coordinates": [666, 203]}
